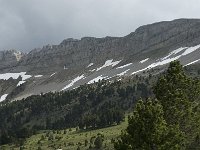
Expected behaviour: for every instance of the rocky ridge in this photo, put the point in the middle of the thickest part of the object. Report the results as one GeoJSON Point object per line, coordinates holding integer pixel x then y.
{"type": "Point", "coordinates": [63, 64]}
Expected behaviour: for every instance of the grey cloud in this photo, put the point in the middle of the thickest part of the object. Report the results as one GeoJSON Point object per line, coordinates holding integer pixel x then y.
{"type": "Point", "coordinates": [28, 24]}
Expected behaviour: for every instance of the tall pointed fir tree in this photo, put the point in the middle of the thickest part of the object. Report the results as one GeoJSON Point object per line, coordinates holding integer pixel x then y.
{"type": "Point", "coordinates": [147, 130]}
{"type": "Point", "coordinates": [179, 96]}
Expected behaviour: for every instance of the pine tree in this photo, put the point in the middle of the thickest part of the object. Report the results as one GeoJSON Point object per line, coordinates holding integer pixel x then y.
{"type": "Point", "coordinates": [179, 95]}
{"type": "Point", "coordinates": [148, 130]}
{"type": "Point", "coordinates": [172, 91]}
{"type": "Point", "coordinates": [98, 142]}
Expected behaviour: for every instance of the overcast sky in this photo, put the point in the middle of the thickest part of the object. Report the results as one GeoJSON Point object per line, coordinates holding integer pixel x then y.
{"type": "Point", "coordinates": [28, 24]}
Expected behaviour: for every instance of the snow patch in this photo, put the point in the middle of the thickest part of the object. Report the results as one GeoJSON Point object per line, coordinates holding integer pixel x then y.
{"type": "Point", "coordinates": [174, 52]}
{"type": "Point", "coordinates": [159, 63]}
{"type": "Point", "coordinates": [166, 60]}
{"type": "Point", "coordinates": [20, 82]}
{"type": "Point", "coordinates": [190, 50]}
{"type": "Point", "coordinates": [96, 79]}
{"type": "Point", "coordinates": [73, 81]}
{"type": "Point", "coordinates": [91, 64]}
{"type": "Point", "coordinates": [6, 76]}
{"type": "Point", "coordinates": [3, 97]}
{"type": "Point", "coordinates": [123, 73]}
{"type": "Point", "coordinates": [92, 70]}
{"type": "Point", "coordinates": [124, 66]}
{"type": "Point", "coordinates": [192, 62]}
{"type": "Point", "coordinates": [142, 61]}
{"type": "Point", "coordinates": [38, 76]}
{"type": "Point", "coordinates": [109, 63]}
{"type": "Point", "coordinates": [52, 74]}
{"type": "Point", "coordinates": [25, 77]}
{"type": "Point", "coordinates": [17, 55]}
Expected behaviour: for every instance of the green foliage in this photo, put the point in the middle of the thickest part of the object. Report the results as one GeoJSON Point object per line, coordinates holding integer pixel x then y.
{"type": "Point", "coordinates": [78, 148]}
{"type": "Point", "coordinates": [90, 106]}
{"type": "Point", "coordinates": [180, 97]}
{"type": "Point", "coordinates": [170, 122]}
{"type": "Point", "coordinates": [147, 129]}
{"type": "Point", "coordinates": [39, 148]}
{"type": "Point", "coordinates": [173, 91]}
{"type": "Point", "coordinates": [98, 142]}
{"type": "Point", "coordinates": [86, 143]}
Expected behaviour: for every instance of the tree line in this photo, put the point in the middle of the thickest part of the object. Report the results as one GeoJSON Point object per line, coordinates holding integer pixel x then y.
{"type": "Point", "coordinates": [92, 106]}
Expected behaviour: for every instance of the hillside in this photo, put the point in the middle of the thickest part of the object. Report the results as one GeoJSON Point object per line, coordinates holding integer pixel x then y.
{"type": "Point", "coordinates": [76, 62]}
{"type": "Point", "coordinates": [95, 109]}
{"type": "Point", "coordinates": [90, 85]}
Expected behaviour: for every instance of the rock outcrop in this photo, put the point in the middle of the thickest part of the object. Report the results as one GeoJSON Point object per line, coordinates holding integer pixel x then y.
{"type": "Point", "coordinates": [157, 38]}
{"type": "Point", "coordinates": [9, 58]}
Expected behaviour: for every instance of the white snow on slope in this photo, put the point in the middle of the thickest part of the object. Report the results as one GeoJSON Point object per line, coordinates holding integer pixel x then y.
{"type": "Point", "coordinates": [124, 66]}
{"type": "Point", "coordinates": [190, 50]}
{"type": "Point", "coordinates": [73, 81]}
{"type": "Point", "coordinates": [174, 52]}
{"type": "Point", "coordinates": [6, 76]}
{"type": "Point", "coordinates": [159, 63]}
{"type": "Point", "coordinates": [123, 73]}
{"type": "Point", "coordinates": [38, 76]}
{"type": "Point", "coordinates": [3, 97]}
{"type": "Point", "coordinates": [92, 70]}
{"type": "Point", "coordinates": [96, 79]}
{"type": "Point", "coordinates": [20, 82]}
{"type": "Point", "coordinates": [109, 63]}
{"type": "Point", "coordinates": [142, 61]}
{"type": "Point", "coordinates": [52, 74]}
{"type": "Point", "coordinates": [24, 77]}
{"type": "Point", "coordinates": [91, 64]}
{"type": "Point", "coordinates": [167, 60]}
{"type": "Point", "coordinates": [193, 62]}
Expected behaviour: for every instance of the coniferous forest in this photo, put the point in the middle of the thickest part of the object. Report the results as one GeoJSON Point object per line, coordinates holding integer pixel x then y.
{"type": "Point", "coordinates": [165, 111]}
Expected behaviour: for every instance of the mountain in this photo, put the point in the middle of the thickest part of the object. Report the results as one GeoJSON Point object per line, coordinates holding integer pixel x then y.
{"type": "Point", "coordinates": [76, 62]}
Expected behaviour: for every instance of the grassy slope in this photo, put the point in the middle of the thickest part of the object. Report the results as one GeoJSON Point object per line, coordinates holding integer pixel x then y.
{"type": "Point", "coordinates": [71, 137]}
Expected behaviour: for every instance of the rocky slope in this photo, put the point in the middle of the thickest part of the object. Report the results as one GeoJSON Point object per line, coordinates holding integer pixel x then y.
{"type": "Point", "coordinates": [74, 62]}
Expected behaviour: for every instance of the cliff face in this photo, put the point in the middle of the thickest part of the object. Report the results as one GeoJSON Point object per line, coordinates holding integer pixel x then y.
{"type": "Point", "coordinates": [72, 53]}
{"type": "Point", "coordinates": [9, 58]}
{"type": "Point", "coordinates": [71, 57]}
{"type": "Point", "coordinates": [182, 32]}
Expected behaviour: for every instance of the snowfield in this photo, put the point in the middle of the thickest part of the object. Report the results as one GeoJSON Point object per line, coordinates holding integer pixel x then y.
{"type": "Point", "coordinates": [142, 61]}
{"type": "Point", "coordinates": [124, 66]}
{"type": "Point", "coordinates": [73, 81]}
{"type": "Point", "coordinates": [38, 76]}
{"type": "Point", "coordinates": [193, 62]}
{"type": "Point", "coordinates": [174, 52]}
{"type": "Point", "coordinates": [52, 74]}
{"type": "Point", "coordinates": [109, 63]}
{"type": "Point", "coordinates": [91, 64]}
{"type": "Point", "coordinates": [166, 59]}
{"type": "Point", "coordinates": [96, 79]}
{"type": "Point", "coordinates": [20, 82]}
{"type": "Point", "coordinates": [6, 76]}
{"type": "Point", "coordinates": [123, 73]}
{"type": "Point", "coordinates": [3, 97]}
{"type": "Point", "coordinates": [190, 50]}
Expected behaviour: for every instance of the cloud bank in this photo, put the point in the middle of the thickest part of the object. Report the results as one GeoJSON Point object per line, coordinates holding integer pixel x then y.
{"type": "Point", "coordinates": [28, 24]}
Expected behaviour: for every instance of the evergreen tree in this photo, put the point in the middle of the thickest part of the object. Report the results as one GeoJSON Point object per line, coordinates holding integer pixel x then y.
{"type": "Point", "coordinates": [147, 130]}
{"type": "Point", "coordinates": [98, 142]}
{"type": "Point", "coordinates": [179, 96]}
